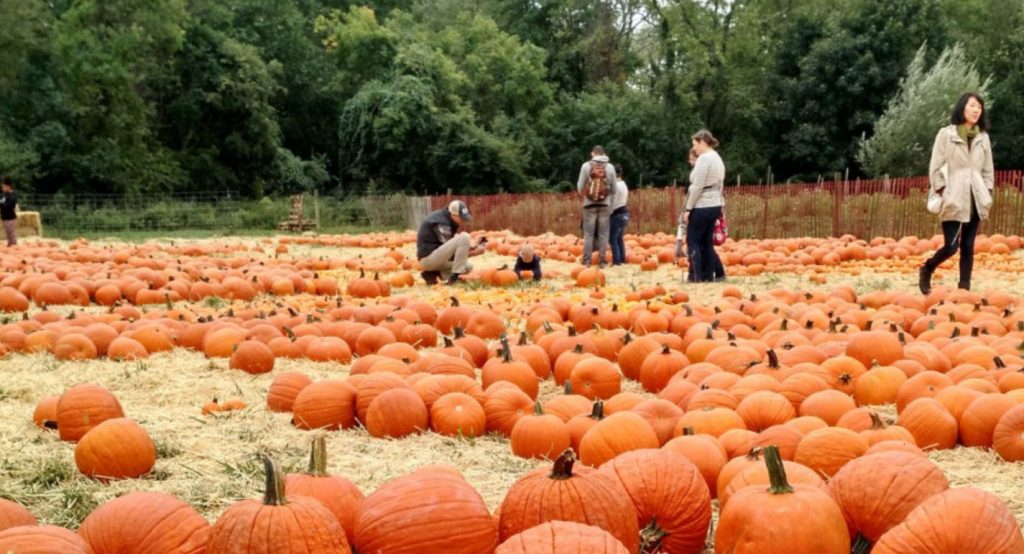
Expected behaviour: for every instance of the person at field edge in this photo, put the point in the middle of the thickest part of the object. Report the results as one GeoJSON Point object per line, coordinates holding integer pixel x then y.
{"type": "Point", "coordinates": [961, 171]}
{"type": "Point", "coordinates": [718, 273]}
{"type": "Point", "coordinates": [8, 212]}
{"type": "Point", "coordinates": [704, 201]}
{"type": "Point", "coordinates": [595, 185]}
{"type": "Point", "coordinates": [442, 250]}
{"type": "Point", "coordinates": [619, 218]}
{"type": "Point", "coordinates": [527, 260]}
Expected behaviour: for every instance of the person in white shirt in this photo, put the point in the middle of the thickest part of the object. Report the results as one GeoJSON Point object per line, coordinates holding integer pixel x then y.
{"type": "Point", "coordinates": [704, 202]}
{"type": "Point", "coordinates": [619, 218]}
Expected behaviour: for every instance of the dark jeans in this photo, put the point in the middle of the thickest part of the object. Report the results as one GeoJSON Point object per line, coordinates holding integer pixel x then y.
{"type": "Point", "coordinates": [700, 243]}
{"type": "Point", "coordinates": [616, 236]}
{"type": "Point", "coordinates": [954, 232]}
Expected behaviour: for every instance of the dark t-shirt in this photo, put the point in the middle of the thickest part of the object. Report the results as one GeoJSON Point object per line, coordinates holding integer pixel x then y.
{"type": "Point", "coordinates": [436, 229]}
{"type": "Point", "coordinates": [533, 266]}
{"type": "Point", "coordinates": [8, 201]}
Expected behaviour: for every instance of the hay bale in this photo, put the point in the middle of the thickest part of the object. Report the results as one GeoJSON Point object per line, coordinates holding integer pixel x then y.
{"type": "Point", "coordinates": [29, 224]}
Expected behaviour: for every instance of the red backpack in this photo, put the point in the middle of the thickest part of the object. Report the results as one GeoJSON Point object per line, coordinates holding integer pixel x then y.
{"type": "Point", "coordinates": [597, 189]}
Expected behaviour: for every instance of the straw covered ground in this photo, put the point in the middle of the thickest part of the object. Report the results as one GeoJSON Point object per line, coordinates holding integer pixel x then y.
{"type": "Point", "coordinates": [211, 462]}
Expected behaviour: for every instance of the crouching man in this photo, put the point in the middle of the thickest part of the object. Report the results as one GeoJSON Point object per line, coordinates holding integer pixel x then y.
{"type": "Point", "coordinates": [442, 250]}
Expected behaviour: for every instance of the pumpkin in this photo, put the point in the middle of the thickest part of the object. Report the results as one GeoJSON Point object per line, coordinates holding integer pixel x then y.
{"type": "Point", "coordinates": [661, 415]}
{"type": "Point", "coordinates": [585, 496]}
{"type": "Point", "coordinates": [828, 450]}
{"type": "Point", "coordinates": [1008, 436]}
{"type": "Point", "coordinates": [562, 537]}
{"type": "Point", "coordinates": [659, 367]}
{"type": "Point", "coordinates": [755, 520]}
{"type": "Point", "coordinates": [252, 357]}
{"type": "Point", "coordinates": [703, 451]}
{"type": "Point", "coordinates": [596, 377]}
{"type": "Point", "coordinates": [615, 434]}
{"type": "Point", "coordinates": [458, 415]}
{"type": "Point", "coordinates": [671, 499]}
{"type": "Point", "coordinates": [396, 413]}
{"type": "Point", "coordinates": [337, 494]}
{"type": "Point", "coordinates": [931, 424]}
{"type": "Point", "coordinates": [877, 491]}
{"type": "Point", "coordinates": [118, 448]}
{"type": "Point", "coordinates": [942, 525]}
{"type": "Point", "coordinates": [327, 404]}
{"type": "Point", "coordinates": [786, 437]}
{"type": "Point", "coordinates": [143, 522]}
{"type": "Point", "coordinates": [764, 409]}
{"type": "Point", "coordinates": [757, 474]}
{"type": "Point", "coordinates": [41, 539]}
{"type": "Point", "coordinates": [284, 389]}
{"type": "Point", "coordinates": [829, 405]}
{"type": "Point", "coordinates": [45, 413]}
{"type": "Point", "coordinates": [505, 407]}
{"type": "Point", "coordinates": [429, 510]}
{"type": "Point", "coordinates": [710, 421]}
{"type": "Point", "coordinates": [74, 346]}
{"type": "Point", "coordinates": [83, 407]}
{"type": "Point", "coordinates": [294, 523]}
{"type": "Point", "coordinates": [869, 347]}
{"type": "Point", "coordinates": [539, 436]}
{"type": "Point", "coordinates": [515, 372]}
{"type": "Point", "coordinates": [14, 515]}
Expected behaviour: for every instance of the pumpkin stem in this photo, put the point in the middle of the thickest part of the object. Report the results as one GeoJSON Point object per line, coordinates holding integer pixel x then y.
{"type": "Point", "coordinates": [776, 471]}
{"type": "Point", "coordinates": [448, 342]}
{"type": "Point", "coordinates": [597, 412]}
{"type": "Point", "coordinates": [773, 359]}
{"type": "Point", "coordinates": [1000, 364]}
{"type": "Point", "coordinates": [689, 431]}
{"type": "Point", "coordinates": [975, 331]}
{"type": "Point", "coordinates": [318, 457]}
{"type": "Point", "coordinates": [876, 421]}
{"type": "Point", "coordinates": [627, 338]}
{"type": "Point", "coordinates": [362, 273]}
{"type": "Point", "coordinates": [274, 495]}
{"type": "Point", "coordinates": [562, 469]}
{"type": "Point", "coordinates": [455, 301]}
{"type": "Point", "coordinates": [537, 408]}
{"type": "Point", "coordinates": [955, 333]}
{"type": "Point", "coordinates": [809, 324]}
{"type": "Point", "coordinates": [571, 329]}
{"type": "Point", "coordinates": [665, 349]}
{"type": "Point", "coordinates": [861, 545]}
{"type": "Point", "coordinates": [567, 389]}
{"type": "Point", "coordinates": [458, 332]}
{"type": "Point", "coordinates": [506, 350]}
{"type": "Point", "coordinates": [578, 349]}
{"type": "Point", "coordinates": [522, 339]}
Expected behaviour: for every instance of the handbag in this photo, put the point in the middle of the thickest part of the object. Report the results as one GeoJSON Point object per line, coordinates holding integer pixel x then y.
{"type": "Point", "coordinates": [934, 198]}
{"type": "Point", "coordinates": [721, 232]}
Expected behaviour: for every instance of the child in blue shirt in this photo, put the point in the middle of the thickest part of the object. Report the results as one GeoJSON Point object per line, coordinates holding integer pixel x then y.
{"type": "Point", "coordinates": [527, 260]}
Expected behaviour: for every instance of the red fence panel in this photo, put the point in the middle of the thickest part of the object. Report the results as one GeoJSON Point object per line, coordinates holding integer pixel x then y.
{"type": "Point", "coordinates": [864, 208]}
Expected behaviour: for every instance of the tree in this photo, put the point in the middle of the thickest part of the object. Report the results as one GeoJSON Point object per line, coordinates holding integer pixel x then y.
{"type": "Point", "coordinates": [843, 82]}
{"type": "Point", "coordinates": [903, 135]}
{"type": "Point", "coordinates": [1008, 115]}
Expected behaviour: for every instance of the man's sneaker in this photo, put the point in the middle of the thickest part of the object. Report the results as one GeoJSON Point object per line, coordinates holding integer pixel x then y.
{"type": "Point", "coordinates": [431, 277]}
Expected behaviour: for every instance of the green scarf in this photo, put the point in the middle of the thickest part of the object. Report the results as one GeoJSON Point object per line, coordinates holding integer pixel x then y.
{"type": "Point", "coordinates": [967, 134]}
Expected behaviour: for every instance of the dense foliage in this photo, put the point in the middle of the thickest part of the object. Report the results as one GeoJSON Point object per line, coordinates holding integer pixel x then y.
{"type": "Point", "coordinates": [276, 96]}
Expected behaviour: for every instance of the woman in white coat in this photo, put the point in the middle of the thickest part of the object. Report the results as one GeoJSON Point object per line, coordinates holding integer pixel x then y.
{"type": "Point", "coordinates": [961, 172]}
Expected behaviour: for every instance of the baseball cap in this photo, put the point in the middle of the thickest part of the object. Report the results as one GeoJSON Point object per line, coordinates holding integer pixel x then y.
{"type": "Point", "coordinates": [458, 207]}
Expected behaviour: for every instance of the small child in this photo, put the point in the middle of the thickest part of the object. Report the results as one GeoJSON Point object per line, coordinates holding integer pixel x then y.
{"type": "Point", "coordinates": [527, 260]}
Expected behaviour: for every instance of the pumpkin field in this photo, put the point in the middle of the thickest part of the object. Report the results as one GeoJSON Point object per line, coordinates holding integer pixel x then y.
{"type": "Point", "coordinates": [309, 394]}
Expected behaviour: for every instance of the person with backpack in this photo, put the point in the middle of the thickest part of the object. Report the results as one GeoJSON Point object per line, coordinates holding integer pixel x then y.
{"type": "Point", "coordinates": [704, 202]}
{"type": "Point", "coordinates": [8, 212]}
{"type": "Point", "coordinates": [619, 219]}
{"type": "Point", "coordinates": [597, 177]}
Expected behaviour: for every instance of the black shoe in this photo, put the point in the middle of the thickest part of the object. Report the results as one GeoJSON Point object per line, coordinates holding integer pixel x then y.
{"type": "Point", "coordinates": [924, 280]}
{"type": "Point", "coordinates": [431, 277]}
{"type": "Point", "coordinates": [964, 286]}
{"type": "Point", "coordinates": [453, 279]}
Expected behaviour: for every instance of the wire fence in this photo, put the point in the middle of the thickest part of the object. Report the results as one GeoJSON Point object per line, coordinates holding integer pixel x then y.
{"type": "Point", "coordinates": [864, 208]}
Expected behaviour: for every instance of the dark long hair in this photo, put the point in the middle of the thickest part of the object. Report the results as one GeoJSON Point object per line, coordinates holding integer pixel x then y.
{"type": "Point", "coordinates": [958, 111]}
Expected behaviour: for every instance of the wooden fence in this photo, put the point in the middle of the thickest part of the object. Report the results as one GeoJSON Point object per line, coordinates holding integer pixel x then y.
{"type": "Point", "coordinates": [864, 208]}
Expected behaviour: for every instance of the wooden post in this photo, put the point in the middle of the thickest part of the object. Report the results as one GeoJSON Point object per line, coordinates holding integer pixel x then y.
{"type": "Point", "coordinates": [316, 209]}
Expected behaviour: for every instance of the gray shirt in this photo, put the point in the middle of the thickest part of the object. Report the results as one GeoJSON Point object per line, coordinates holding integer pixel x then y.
{"type": "Point", "coordinates": [584, 180]}
{"type": "Point", "coordinates": [706, 182]}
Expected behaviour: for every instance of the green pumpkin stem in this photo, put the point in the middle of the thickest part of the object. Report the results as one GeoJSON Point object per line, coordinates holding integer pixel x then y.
{"type": "Point", "coordinates": [274, 495]}
{"type": "Point", "coordinates": [318, 457]}
{"type": "Point", "coordinates": [861, 545]}
{"type": "Point", "coordinates": [776, 471]}
{"type": "Point", "coordinates": [562, 469]}
{"type": "Point", "coordinates": [537, 408]}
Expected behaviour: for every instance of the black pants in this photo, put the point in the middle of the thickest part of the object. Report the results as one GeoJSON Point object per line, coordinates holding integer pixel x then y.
{"type": "Point", "coordinates": [960, 236]}
{"type": "Point", "coordinates": [700, 243]}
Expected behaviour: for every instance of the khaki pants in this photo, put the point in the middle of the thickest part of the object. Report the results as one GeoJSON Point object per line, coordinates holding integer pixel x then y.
{"type": "Point", "coordinates": [596, 222]}
{"type": "Point", "coordinates": [450, 257]}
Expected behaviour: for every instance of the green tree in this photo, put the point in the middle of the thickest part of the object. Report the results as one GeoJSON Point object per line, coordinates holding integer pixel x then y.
{"type": "Point", "coordinates": [903, 135]}
{"type": "Point", "coordinates": [112, 55]}
{"type": "Point", "coordinates": [844, 81]}
{"type": "Point", "coordinates": [1008, 114]}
